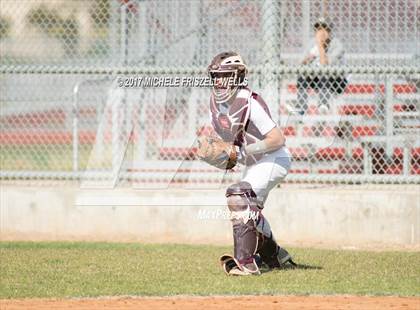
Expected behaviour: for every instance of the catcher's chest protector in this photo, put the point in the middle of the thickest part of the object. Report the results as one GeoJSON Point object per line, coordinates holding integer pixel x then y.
{"type": "Point", "coordinates": [233, 124]}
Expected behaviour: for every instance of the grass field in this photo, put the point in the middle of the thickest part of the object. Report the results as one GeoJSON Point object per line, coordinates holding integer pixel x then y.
{"type": "Point", "coordinates": [104, 269]}
{"type": "Point", "coordinates": [39, 157]}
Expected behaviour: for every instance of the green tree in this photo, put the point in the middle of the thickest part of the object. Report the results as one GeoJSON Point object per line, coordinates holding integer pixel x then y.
{"type": "Point", "coordinates": [50, 22]}
{"type": "Point", "coordinates": [4, 27]}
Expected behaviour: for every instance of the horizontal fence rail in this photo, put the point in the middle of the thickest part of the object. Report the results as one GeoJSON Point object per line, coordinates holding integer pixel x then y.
{"type": "Point", "coordinates": [135, 70]}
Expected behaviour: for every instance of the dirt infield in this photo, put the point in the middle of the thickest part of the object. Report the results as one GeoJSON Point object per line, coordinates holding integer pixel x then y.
{"type": "Point", "coordinates": [219, 302]}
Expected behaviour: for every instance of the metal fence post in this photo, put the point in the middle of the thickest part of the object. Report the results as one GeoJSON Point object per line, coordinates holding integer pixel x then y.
{"type": "Point", "coordinates": [271, 54]}
{"type": "Point", "coordinates": [123, 35]}
{"type": "Point", "coordinates": [406, 159]}
{"type": "Point", "coordinates": [367, 169]}
{"type": "Point", "coordinates": [306, 26]}
{"type": "Point", "coordinates": [75, 127]}
{"type": "Point", "coordinates": [389, 114]}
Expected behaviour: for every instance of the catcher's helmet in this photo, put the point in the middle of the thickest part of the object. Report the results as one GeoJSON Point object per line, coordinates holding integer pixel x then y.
{"type": "Point", "coordinates": [227, 65]}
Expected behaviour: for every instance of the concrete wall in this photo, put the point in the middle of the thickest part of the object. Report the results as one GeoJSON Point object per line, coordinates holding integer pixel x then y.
{"type": "Point", "coordinates": [331, 217]}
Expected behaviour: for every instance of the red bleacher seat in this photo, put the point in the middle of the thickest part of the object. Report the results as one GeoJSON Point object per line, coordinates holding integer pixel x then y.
{"type": "Point", "coordinates": [351, 168]}
{"type": "Point", "coordinates": [44, 138]}
{"type": "Point", "coordinates": [357, 153]}
{"type": "Point", "coordinates": [307, 131]}
{"type": "Point", "coordinates": [357, 109]}
{"type": "Point", "coordinates": [329, 131]}
{"type": "Point", "coordinates": [331, 153]}
{"type": "Point", "coordinates": [49, 117]}
{"type": "Point", "coordinates": [415, 169]}
{"type": "Point", "coordinates": [394, 169]}
{"type": "Point", "coordinates": [415, 153]}
{"type": "Point", "coordinates": [365, 88]}
{"type": "Point", "coordinates": [372, 88]}
{"type": "Point", "coordinates": [398, 152]}
{"type": "Point", "coordinates": [299, 152]}
{"type": "Point", "coordinates": [398, 169]}
{"type": "Point", "coordinates": [328, 171]}
{"type": "Point", "coordinates": [312, 110]}
{"type": "Point", "coordinates": [292, 88]}
{"type": "Point", "coordinates": [299, 170]}
{"type": "Point", "coordinates": [404, 88]}
{"type": "Point", "coordinates": [359, 131]}
{"type": "Point", "coordinates": [289, 131]}
{"type": "Point", "coordinates": [404, 107]}
{"type": "Point", "coordinates": [177, 153]}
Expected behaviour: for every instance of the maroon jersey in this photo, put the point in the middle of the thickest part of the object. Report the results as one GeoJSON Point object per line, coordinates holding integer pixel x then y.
{"type": "Point", "coordinates": [233, 123]}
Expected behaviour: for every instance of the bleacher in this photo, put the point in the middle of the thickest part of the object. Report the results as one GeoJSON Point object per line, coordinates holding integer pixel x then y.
{"type": "Point", "coordinates": [355, 127]}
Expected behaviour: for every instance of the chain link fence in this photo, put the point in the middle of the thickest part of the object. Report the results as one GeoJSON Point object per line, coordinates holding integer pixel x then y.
{"type": "Point", "coordinates": [65, 112]}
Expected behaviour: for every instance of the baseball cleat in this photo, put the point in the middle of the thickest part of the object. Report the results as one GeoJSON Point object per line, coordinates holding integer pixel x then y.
{"type": "Point", "coordinates": [282, 260]}
{"type": "Point", "coordinates": [246, 270]}
{"type": "Point", "coordinates": [283, 256]}
{"type": "Point", "coordinates": [232, 267]}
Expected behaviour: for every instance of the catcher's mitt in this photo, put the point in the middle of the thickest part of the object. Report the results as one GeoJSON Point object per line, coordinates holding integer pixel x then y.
{"type": "Point", "coordinates": [217, 152]}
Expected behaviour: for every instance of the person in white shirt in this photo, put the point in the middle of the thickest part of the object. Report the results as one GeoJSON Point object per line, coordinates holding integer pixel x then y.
{"type": "Point", "coordinates": [327, 50]}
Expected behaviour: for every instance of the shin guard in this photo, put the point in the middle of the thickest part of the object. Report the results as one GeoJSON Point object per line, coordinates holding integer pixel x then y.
{"type": "Point", "coordinates": [244, 215]}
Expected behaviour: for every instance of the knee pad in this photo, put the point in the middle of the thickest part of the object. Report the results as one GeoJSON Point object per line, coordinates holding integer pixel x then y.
{"type": "Point", "coordinates": [240, 196]}
{"type": "Point", "coordinates": [242, 202]}
{"type": "Point", "coordinates": [241, 188]}
{"type": "Point", "coordinates": [237, 203]}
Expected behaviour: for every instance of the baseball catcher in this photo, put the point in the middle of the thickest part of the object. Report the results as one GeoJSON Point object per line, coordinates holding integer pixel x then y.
{"type": "Point", "coordinates": [245, 133]}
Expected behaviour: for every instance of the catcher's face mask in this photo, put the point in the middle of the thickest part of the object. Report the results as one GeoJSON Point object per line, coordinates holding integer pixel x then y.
{"type": "Point", "coordinates": [225, 84]}
{"type": "Point", "coordinates": [227, 71]}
